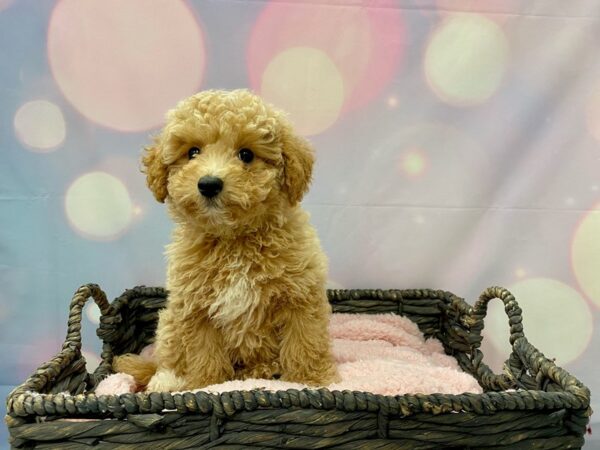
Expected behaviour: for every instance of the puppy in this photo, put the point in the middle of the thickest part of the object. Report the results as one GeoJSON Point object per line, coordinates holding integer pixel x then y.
{"type": "Point", "coordinates": [246, 273]}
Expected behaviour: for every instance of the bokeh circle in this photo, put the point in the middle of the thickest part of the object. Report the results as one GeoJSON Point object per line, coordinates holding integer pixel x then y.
{"type": "Point", "coordinates": [466, 59]}
{"type": "Point", "coordinates": [314, 103]}
{"type": "Point", "coordinates": [585, 254]}
{"type": "Point", "coordinates": [40, 126]}
{"type": "Point", "coordinates": [413, 162]}
{"type": "Point", "coordinates": [4, 4]}
{"type": "Point", "coordinates": [364, 44]}
{"type": "Point", "coordinates": [92, 360]}
{"type": "Point", "coordinates": [124, 64]}
{"type": "Point", "coordinates": [98, 206]}
{"type": "Point", "coordinates": [556, 319]}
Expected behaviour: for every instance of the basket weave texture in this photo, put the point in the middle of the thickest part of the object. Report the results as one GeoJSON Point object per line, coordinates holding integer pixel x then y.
{"type": "Point", "coordinates": [534, 404]}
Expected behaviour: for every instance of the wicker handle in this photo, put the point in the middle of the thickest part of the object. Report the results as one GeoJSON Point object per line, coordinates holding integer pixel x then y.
{"type": "Point", "coordinates": [82, 295]}
{"type": "Point", "coordinates": [514, 364]}
{"type": "Point", "coordinates": [514, 313]}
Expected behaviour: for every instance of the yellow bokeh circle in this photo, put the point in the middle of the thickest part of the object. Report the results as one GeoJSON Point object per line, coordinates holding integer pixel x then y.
{"type": "Point", "coordinates": [466, 59]}
{"type": "Point", "coordinates": [40, 126]}
{"type": "Point", "coordinates": [98, 206]}
{"type": "Point", "coordinates": [556, 319]}
{"type": "Point", "coordinates": [585, 255]}
{"type": "Point", "coordinates": [306, 83]}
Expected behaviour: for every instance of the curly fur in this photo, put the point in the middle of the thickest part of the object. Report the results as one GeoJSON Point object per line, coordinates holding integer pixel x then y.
{"type": "Point", "coordinates": [246, 274]}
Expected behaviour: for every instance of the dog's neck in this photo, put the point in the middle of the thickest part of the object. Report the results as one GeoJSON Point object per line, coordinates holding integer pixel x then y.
{"type": "Point", "coordinates": [257, 231]}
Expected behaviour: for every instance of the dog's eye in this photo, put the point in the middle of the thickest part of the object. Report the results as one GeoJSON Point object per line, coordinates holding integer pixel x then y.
{"type": "Point", "coordinates": [192, 152]}
{"type": "Point", "coordinates": [246, 155]}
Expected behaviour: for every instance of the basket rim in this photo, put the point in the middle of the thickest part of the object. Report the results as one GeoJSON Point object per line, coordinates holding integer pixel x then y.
{"type": "Point", "coordinates": [25, 402]}
{"type": "Point", "coordinates": [230, 402]}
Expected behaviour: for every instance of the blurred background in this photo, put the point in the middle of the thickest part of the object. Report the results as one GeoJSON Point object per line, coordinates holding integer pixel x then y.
{"type": "Point", "coordinates": [458, 147]}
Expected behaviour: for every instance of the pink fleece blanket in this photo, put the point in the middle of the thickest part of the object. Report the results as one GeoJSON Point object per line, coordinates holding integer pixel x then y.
{"type": "Point", "coordinates": [379, 353]}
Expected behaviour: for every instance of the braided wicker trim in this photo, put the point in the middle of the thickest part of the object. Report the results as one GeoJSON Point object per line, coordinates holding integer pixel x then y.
{"type": "Point", "coordinates": [228, 403]}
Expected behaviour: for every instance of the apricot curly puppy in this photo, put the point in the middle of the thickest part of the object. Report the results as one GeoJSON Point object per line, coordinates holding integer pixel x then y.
{"type": "Point", "coordinates": [246, 274]}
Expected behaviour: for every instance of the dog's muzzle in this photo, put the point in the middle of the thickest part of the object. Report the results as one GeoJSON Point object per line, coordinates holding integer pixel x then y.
{"type": "Point", "coordinates": [210, 186]}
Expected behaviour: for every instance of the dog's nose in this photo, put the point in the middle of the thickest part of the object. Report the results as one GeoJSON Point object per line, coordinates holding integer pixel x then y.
{"type": "Point", "coordinates": [210, 186]}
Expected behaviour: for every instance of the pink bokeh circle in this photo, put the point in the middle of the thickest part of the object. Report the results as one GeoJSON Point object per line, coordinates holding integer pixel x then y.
{"type": "Point", "coordinates": [124, 64]}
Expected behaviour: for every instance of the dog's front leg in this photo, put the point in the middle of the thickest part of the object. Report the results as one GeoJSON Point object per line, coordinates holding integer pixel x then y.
{"type": "Point", "coordinates": [206, 357]}
{"type": "Point", "coordinates": [306, 355]}
{"type": "Point", "coordinates": [170, 361]}
{"type": "Point", "coordinates": [189, 354]}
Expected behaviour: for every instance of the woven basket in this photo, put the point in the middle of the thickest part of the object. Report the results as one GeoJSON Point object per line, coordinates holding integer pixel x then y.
{"type": "Point", "coordinates": [533, 405]}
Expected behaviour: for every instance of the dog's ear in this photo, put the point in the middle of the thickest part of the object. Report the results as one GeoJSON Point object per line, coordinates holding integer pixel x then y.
{"type": "Point", "coordinates": [156, 171]}
{"type": "Point", "coordinates": [298, 159]}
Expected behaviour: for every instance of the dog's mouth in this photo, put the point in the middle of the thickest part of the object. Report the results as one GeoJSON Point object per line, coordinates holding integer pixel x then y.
{"type": "Point", "coordinates": [211, 203]}
{"type": "Point", "coordinates": [211, 208]}
{"type": "Point", "coordinates": [195, 206]}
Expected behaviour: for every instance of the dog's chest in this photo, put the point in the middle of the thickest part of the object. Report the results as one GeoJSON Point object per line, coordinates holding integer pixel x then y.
{"type": "Point", "coordinates": [231, 284]}
{"type": "Point", "coordinates": [239, 295]}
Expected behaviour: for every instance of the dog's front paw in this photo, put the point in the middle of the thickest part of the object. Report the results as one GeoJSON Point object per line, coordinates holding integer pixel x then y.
{"type": "Point", "coordinates": [262, 370]}
{"type": "Point", "coordinates": [332, 375]}
{"type": "Point", "coordinates": [165, 380]}
{"type": "Point", "coordinates": [323, 376]}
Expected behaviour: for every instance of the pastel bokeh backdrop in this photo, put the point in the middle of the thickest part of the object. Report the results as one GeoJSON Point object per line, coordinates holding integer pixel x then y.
{"type": "Point", "coordinates": [458, 147]}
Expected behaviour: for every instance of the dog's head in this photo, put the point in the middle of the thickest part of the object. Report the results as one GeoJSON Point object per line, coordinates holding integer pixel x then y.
{"type": "Point", "coordinates": [226, 159]}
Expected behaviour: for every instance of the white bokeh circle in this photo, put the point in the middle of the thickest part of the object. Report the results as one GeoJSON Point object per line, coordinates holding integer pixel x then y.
{"type": "Point", "coordinates": [40, 126]}
{"type": "Point", "coordinates": [466, 59]}
{"type": "Point", "coordinates": [92, 312]}
{"type": "Point", "coordinates": [556, 319]}
{"type": "Point", "coordinates": [98, 206]}
{"type": "Point", "coordinates": [92, 361]}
